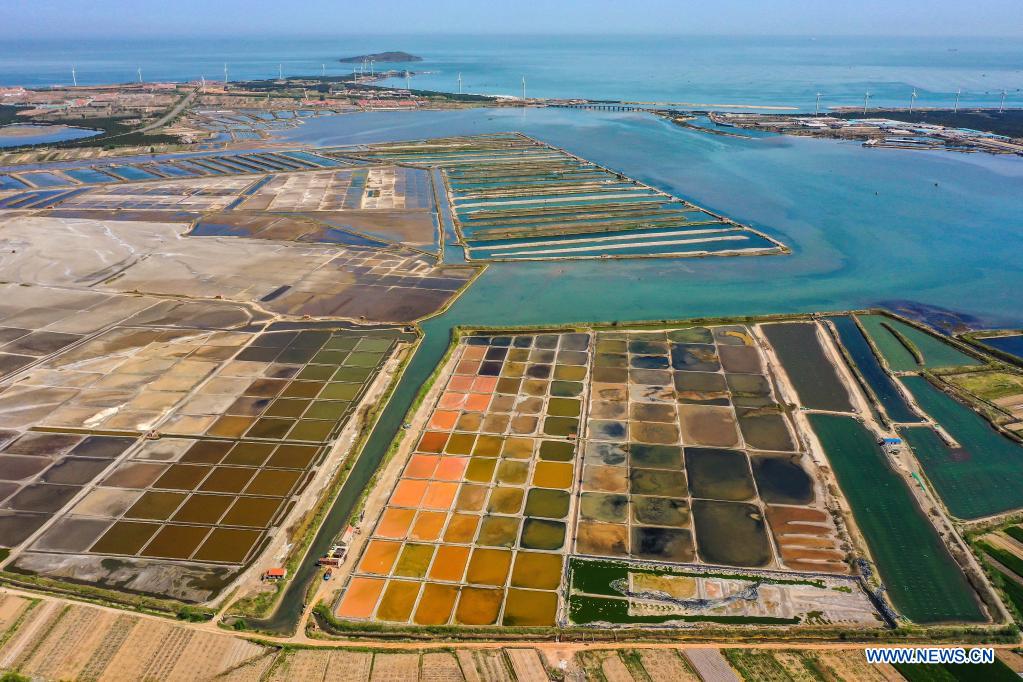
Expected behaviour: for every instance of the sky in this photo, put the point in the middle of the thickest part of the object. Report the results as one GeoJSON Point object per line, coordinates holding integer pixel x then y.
{"type": "Point", "coordinates": [138, 18]}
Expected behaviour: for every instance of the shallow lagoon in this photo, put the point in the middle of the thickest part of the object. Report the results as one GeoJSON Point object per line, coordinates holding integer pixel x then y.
{"type": "Point", "coordinates": [865, 227]}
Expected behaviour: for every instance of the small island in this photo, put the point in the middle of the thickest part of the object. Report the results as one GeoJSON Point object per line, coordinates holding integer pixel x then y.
{"type": "Point", "coordinates": [382, 57]}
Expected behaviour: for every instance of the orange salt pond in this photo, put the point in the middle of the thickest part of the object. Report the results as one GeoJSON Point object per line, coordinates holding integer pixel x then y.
{"type": "Point", "coordinates": [451, 468]}
{"type": "Point", "coordinates": [440, 495]}
{"type": "Point", "coordinates": [462, 527]}
{"type": "Point", "coordinates": [477, 402]}
{"type": "Point", "coordinates": [474, 353]}
{"type": "Point", "coordinates": [449, 564]}
{"type": "Point", "coordinates": [379, 557]}
{"type": "Point", "coordinates": [553, 475]}
{"type": "Point", "coordinates": [398, 600]}
{"type": "Point", "coordinates": [421, 466]}
{"type": "Point", "coordinates": [451, 401]}
{"type": "Point", "coordinates": [528, 607]}
{"type": "Point", "coordinates": [432, 441]}
{"type": "Point", "coordinates": [436, 604]}
{"type": "Point", "coordinates": [443, 420]}
{"type": "Point", "coordinates": [428, 526]}
{"type": "Point", "coordinates": [458, 383]}
{"type": "Point", "coordinates": [488, 566]}
{"type": "Point", "coordinates": [394, 523]}
{"type": "Point", "coordinates": [360, 597]}
{"type": "Point", "coordinates": [484, 384]}
{"type": "Point", "coordinates": [478, 606]}
{"type": "Point", "coordinates": [408, 493]}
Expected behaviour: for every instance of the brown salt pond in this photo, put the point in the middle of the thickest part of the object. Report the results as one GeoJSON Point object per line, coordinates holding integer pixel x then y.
{"type": "Point", "coordinates": [530, 608]}
{"type": "Point", "coordinates": [731, 533]}
{"type": "Point", "coordinates": [478, 606]}
{"type": "Point", "coordinates": [397, 601]}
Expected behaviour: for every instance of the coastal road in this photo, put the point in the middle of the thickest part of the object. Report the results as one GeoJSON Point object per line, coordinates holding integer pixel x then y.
{"type": "Point", "coordinates": [170, 115]}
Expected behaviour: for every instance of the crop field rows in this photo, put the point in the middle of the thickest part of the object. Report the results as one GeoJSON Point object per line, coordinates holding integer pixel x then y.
{"type": "Point", "coordinates": [515, 198]}
{"type": "Point", "coordinates": [244, 420]}
{"type": "Point", "coordinates": [664, 446]}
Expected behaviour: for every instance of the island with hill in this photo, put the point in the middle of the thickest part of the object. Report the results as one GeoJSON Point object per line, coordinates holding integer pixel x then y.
{"type": "Point", "coordinates": [391, 57]}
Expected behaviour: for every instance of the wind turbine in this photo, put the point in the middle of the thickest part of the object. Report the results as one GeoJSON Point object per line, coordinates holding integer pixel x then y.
{"type": "Point", "coordinates": [459, 82]}
{"type": "Point", "coordinates": [523, 88]}
{"type": "Point", "coordinates": [1001, 107]}
{"type": "Point", "coordinates": [225, 74]}
{"type": "Point", "coordinates": [74, 76]}
{"type": "Point", "coordinates": [408, 80]}
{"type": "Point", "coordinates": [912, 100]}
{"type": "Point", "coordinates": [140, 74]}
{"type": "Point", "coordinates": [323, 70]}
{"type": "Point", "coordinates": [203, 80]}
{"type": "Point", "coordinates": [817, 109]}
{"type": "Point", "coordinates": [866, 100]}
{"type": "Point", "coordinates": [372, 67]}
{"type": "Point", "coordinates": [280, 72]}
{"type": "Point", "coordinates": [956, 109]}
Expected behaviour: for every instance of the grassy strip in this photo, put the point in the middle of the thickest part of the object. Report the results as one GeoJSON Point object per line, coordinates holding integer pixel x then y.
{"type": "Point", "coordinates": [907, 344]}
{"type": "Point", "coordinates": [167, 608]}
{"type": "Point", "coordinates": [1014, 532]}
{"type": "Point", "coordinates": [5, 636]}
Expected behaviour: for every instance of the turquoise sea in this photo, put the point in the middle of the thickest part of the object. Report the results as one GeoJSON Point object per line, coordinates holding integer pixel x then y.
{"type": "Point", "coordinates": [772, 71]}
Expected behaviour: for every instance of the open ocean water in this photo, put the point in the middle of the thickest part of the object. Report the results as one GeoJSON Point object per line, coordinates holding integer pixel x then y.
{"type": "Point", "coordinates": [698, 70]}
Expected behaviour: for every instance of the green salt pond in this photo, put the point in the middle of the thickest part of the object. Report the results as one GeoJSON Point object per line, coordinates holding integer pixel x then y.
{"type": "Point", "coordinates": [936, 353]}
{"type": "Point", "coordinates": [930, 588]}
{"type": "Point", "coordinates": [980, 478]}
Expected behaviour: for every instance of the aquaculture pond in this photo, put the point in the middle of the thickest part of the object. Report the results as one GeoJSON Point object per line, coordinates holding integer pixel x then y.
{"type": "Point", "coordinates": [982, 475]}
{"type": "Point", "coordinates": [811, 371]}
{"type": "Point", "coordinates": [891, 337]}
{"type": "Point", "coordinates": [1012, 344]}
{"type": "Point", "coordinates": [515, 199]}
{"type": "Point", "coordinates": [880, 382]}
{"type": "Point", "coordinates": [929, 589]}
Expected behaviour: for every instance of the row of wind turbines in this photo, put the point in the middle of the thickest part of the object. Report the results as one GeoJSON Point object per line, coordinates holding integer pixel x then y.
{"type": "Point", "coordinates": [408, 85]}
{"type": "Point", "coordinates": [912, 101]}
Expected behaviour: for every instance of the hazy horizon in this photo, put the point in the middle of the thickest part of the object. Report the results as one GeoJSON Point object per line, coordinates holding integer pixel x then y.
{"type": "Point", "coordinates": [115, 19]}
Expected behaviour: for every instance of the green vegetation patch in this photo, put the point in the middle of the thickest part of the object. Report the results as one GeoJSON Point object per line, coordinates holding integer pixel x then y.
{"type": "Point", "coordinates": [965, 672]}
{"type": "Point", "coordinates": [988, 385]}
{"type": "Point", "coordinates": [1005, 558]}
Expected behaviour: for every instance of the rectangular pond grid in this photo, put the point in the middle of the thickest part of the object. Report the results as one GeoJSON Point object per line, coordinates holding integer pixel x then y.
{"type": "Point", "coordinates": [664, 446]}
{"type": "Point", "coordinates": [516, 198]}
{"type": "Point", "coordinates": [244, 418]}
